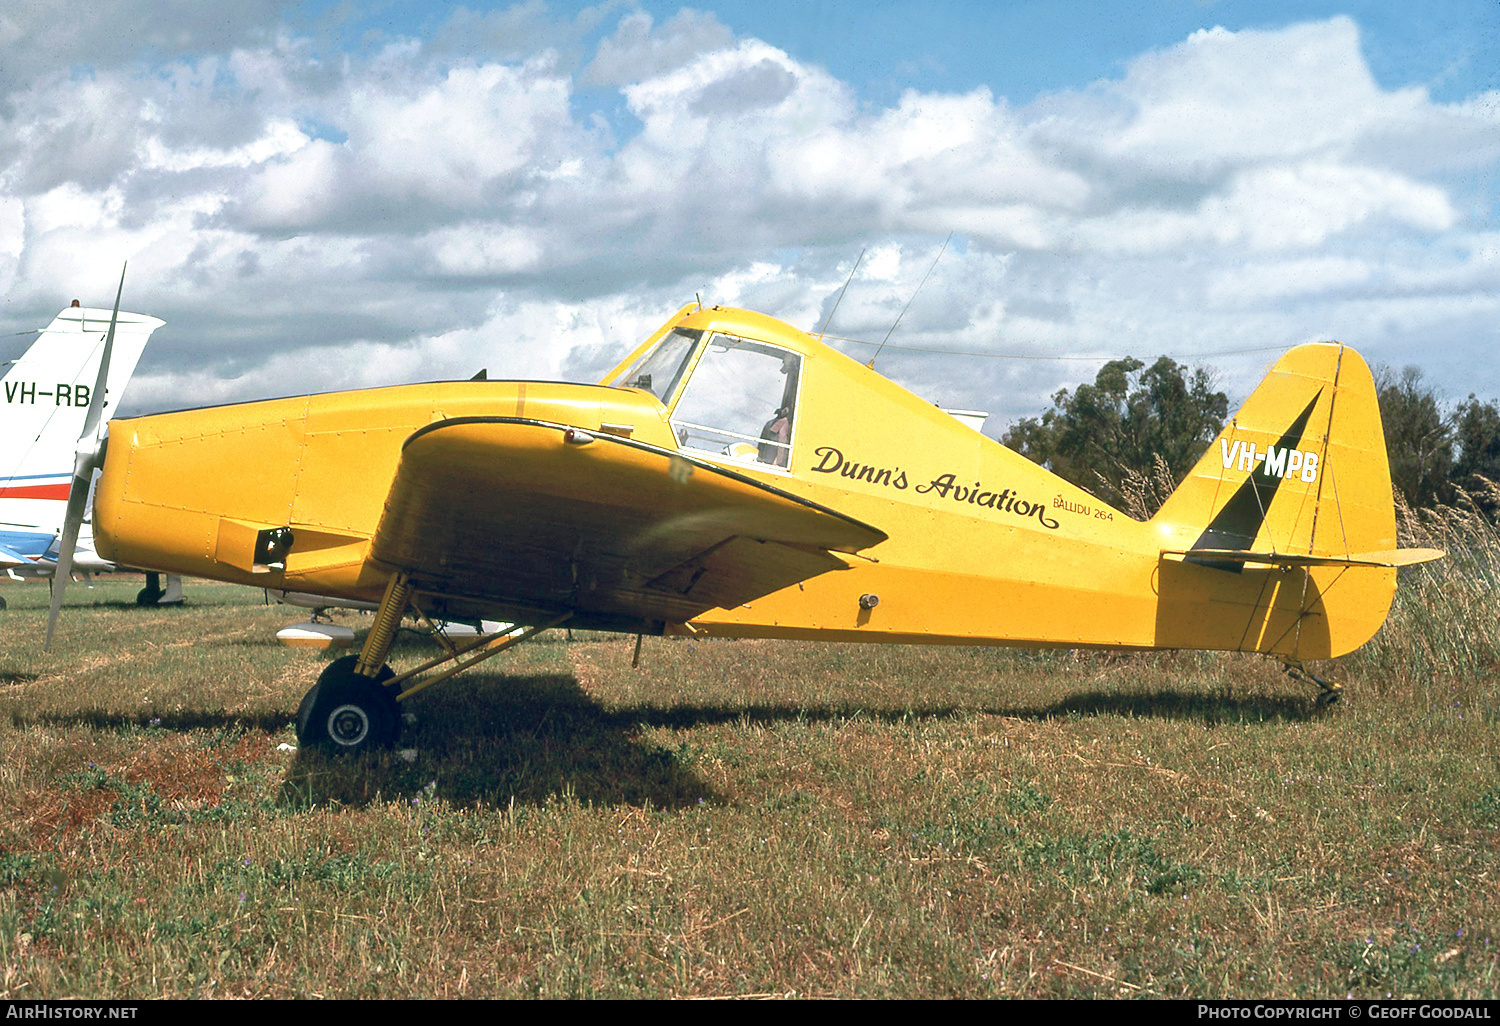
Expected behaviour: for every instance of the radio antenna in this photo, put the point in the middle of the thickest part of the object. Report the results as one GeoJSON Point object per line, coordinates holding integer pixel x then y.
{"type": "Point", "coordinates": [829, 319]}
{"type": "Point", "coordinates": [907, 307]}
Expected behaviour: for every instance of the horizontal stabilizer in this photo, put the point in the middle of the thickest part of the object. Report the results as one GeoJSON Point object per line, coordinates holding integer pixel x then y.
{"type": "Point", "coordinates": [1387, 558]}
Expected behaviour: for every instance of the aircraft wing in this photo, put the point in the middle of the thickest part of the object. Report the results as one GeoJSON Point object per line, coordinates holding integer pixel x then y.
{"type": "Point", "coordinates": [10, 557]}
{"type": "Point", "coordinates": [537, 516]}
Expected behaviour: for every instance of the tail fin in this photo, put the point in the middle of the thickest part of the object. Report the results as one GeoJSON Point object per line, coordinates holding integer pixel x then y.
{"type": "Point", "coordinates": [43, 411]}
{"type": "Point", "coordinates": [1284, 533]}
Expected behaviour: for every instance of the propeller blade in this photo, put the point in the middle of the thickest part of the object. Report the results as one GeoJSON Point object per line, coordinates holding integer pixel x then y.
{"type": "Point", "coordinates": [84, 464]}
{"type": "Point", "coordinates": [101, 380]}
{"type": "Point", "coordinates": [78, 497]}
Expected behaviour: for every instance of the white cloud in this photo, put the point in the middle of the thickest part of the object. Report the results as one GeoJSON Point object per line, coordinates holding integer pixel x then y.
{"type": "Point", "coordinates": [1301, 206]}
{"type": "Point", "coordinates": [1262, 282]}
{"type": "Point", "coordinates": [1284, 206]}
{"type": "Point", "coordinates": [734, 98]}
{"type": "Point", "coordinates": [280, 138]}
{"type": "Point", "coordinates": [635, 52]}
{"type": "Point", "coordinates": [299, 189]}
{"type": "Point", "coordinates": [1221, 98]}
{"type": "Point", "coordinates": [882, 263]}
{"type": "Point", "coordinates": [423, 148]}
{"type": "Point", "coordinates": [482, 249]}
{"type": "Point", "coordinates": [454, 137]}
{"type": "Point", "coordinates": [42, 40]}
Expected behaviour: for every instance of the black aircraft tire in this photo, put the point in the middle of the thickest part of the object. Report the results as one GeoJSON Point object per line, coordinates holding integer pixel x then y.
{"type": "Point", "coordinates": [347, 713]}
{"type": "Point", "coordinates": [148, 596]}
{"type": "Point", "coordinates": [303, 710]}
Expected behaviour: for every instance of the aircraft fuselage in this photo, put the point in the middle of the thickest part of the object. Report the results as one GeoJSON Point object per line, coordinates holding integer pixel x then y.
{"type": "Point", "coordinates": [983, 547]}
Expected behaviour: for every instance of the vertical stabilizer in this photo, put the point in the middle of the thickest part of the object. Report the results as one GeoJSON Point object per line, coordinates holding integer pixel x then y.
{"type": "Point", "coordinates": [1299, 471]}
{"type": "Point", "coordinates": [43, 409]}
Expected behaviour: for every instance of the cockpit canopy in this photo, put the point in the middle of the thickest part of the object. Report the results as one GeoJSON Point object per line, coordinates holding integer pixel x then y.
{"type": "Point", "coordinates": [730, 397]}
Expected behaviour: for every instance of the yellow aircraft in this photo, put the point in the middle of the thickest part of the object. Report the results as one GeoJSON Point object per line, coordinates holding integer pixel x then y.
{"type": "Point", "coordinates": [735, 477]}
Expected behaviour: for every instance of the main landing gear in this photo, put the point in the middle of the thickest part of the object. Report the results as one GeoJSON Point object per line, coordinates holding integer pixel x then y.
{"type": "Point", "coordinates": [1330, 692]}
{"type": "Point", "coordinates": [349, 712]}
{"type": "Point", "coordinates": [355, 705]}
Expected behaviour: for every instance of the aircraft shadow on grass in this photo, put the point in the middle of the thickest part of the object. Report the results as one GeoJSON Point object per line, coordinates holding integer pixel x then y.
{"type": "Point", "coordinates": [1174, 704]}
{"type": "Point", "coordinates": [491, 739]}
{"type": "Point", "coordinates": [494, 740]}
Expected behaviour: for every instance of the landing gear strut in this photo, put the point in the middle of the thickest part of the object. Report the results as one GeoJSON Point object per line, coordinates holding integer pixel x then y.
{"type": "Point", "coordinates": [355, 705]}
{"type": "Point", "coordinates": [1330, 692]}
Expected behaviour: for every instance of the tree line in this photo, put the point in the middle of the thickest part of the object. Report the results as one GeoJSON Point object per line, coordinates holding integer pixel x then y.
{"type": "Point", "coordinates": [1137, 430]}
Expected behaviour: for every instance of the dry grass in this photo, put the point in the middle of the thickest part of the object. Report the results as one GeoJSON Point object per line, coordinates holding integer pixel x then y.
{"type": "Point", "coordinates": [751, 818]}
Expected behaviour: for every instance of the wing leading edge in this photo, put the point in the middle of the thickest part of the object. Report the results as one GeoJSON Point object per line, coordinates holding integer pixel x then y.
{"type": "Point", "coordinates": [534, 518]}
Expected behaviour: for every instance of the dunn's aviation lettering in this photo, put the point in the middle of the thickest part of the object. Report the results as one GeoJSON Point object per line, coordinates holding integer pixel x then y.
{"type": "Point", "coordinates": [831, 461]}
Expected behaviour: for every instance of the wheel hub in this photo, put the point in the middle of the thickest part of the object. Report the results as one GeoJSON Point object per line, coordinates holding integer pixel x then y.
{"type": "Point", "coordinates": [348, 725]}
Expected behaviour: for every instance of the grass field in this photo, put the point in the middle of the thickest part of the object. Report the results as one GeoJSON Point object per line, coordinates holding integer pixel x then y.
{"type": "Point", "coordinates": [749, 818]}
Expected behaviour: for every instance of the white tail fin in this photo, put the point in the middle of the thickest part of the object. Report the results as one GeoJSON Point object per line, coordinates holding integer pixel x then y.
{"type": "Point", "coordinates": [44, 402]}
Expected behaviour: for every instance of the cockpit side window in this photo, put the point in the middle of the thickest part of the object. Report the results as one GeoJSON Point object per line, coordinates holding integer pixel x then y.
{"type": "Point", "coordinates": [740, 402]}
{"type": "Point", "coordinates": [660, 370]}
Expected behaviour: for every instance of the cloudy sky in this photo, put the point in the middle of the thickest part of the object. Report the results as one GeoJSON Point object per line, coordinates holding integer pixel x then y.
{"type": "Point", "coordinates": [339, 194]}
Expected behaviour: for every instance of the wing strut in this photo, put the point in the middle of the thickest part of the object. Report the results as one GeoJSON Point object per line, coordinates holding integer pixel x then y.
{"type": "Point", "coordinates": [377, 646]}
{"type": "Point", "coordinates": [484, 647]}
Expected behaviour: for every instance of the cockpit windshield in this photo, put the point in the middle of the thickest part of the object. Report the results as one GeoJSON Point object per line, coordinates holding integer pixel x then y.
{"type": "Point", "coordinates": [660, 370]}
{"type": "Point", "coordinates": [740, 401]}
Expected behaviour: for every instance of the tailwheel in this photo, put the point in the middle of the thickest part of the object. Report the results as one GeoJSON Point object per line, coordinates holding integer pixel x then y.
{"type": "Point", "coordinates": [347, 712]}
{"type": "Point", "coordinates": [1330, 692]}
